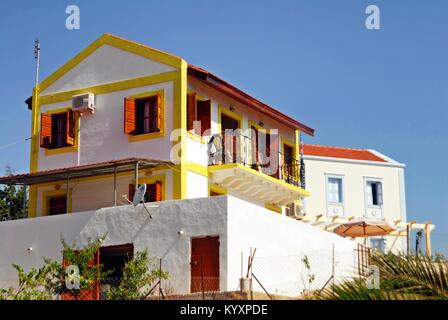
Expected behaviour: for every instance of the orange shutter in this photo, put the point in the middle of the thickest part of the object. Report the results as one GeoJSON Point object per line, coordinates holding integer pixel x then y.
{"type": "Point", "coordinates": [191, 110]}
{"type": "Point", "coordinates": [159, 114]}
{"type": "Point", "coordinates": [70, 134]}
{"type": "Point", "coordinates": [45, 130]}
{"type": "Point", "coordinates": [204, 115]}
{"type": "Point", "coordinates": [158, 191]}
{"type": "Point", "coordinates": [129, 116]}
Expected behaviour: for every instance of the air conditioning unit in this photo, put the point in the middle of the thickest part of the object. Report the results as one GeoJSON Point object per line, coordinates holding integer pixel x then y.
{"type": "Point", "coordinates": [83, 102]}
{"type": "Point", "coordinates": [295, 210]}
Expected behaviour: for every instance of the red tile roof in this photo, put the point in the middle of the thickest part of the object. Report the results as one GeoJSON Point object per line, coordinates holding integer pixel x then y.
{"type": "Point", "coordinates": [339, 152]}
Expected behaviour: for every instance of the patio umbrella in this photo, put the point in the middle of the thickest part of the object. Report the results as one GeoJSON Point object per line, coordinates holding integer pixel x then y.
{"type": "Point", "coordinates": [364, 227]}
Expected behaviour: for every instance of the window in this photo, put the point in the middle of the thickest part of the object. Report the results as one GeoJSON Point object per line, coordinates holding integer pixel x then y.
{"type": "Point", "coordinates": [153, 192]}
{"type": "Point", "coordinates": [377, 244]}
{"type": "Point", "coordinates": [57, 130]}
{"type": "Point", "coordinates": [374, 193]}
{"type": "Point", "coordinates": [57, 205]}
{"type": "Point", "coordinates": [143, 115]}
{"type": "Point", "coordinates": [198, 111]}
{"type": "Point", "coordinates": [334, 190]}
{"type": "Point", "coordinates": [114, 259]}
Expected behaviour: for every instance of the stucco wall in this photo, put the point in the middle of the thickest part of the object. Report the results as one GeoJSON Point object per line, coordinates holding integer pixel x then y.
{"type": "Point", "coordinates": [280, 241]}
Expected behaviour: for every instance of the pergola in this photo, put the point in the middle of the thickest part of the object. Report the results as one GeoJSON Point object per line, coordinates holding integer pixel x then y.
{"type": "Point", "coordinates": [88, 170]}
{"type": "Point", "coordinates": [403, 228]}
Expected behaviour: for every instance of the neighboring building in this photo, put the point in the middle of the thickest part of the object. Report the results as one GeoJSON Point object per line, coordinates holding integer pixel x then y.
{"type": "Point", "coordinates": [347, 182]}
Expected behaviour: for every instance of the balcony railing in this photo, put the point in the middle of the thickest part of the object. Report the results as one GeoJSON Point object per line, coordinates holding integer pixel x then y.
{"type": "Point", "coordinates": [232, 148]}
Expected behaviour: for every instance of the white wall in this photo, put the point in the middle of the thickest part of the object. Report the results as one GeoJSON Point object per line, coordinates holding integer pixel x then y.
{"type": "Point", "coordinates": [107, 64]}
{"type": "Point", "coordinates": [354, 175]}
{"type": "Point", "coordinates": [280, 241]}
{"type": "Point", "coordinates": [101, 134]}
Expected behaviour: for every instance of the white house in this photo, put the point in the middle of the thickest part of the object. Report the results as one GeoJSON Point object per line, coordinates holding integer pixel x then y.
{"type": "Point", "coordinates": [346, 182]}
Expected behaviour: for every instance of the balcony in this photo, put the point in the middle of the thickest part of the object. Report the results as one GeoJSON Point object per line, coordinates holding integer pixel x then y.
{"type": "Point", "coordinates": [255, 169]}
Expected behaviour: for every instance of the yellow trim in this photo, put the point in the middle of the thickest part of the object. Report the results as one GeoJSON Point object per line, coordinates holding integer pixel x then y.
{"type": "Point", "coordinates": [258, 127]}
{"type": "Point", "coordinates": [194, 136]}
{"type": "Point", "coordinates": [273, 207]}
{"type": "Point", "coordinates": [180, 122]}
{"type": "Point", "coordinates": [116, 42]}
{"type": "Point", "coordinates": [290, 144]}
{"type": "Point", "coordinates": [153, 179]}
{"type": "Point", "coordinates": [46, 198]}
{"type": "Point", "coordinates": [32, 201]}
{"type": "Point", "coordinates": [35, 122]}
{"type": "Point", "coordinates": [231, 114]}
{"type": "Point", "coordinates": [151, 135]}
{"type": "Point", "coordinates": [217, 189]}
{"type": "Point", "coordinates": [110, 87]}
{"type": "Point", "coordinates": [196, 168]}
{"type": "Point", "coordinates": [100, 89]}
{"type": "Point", "coordinates": [75, 147]}
{"type": "Point", "coordinates": [297, 144]}
{"type": "Point", "coordinates": [212, 169]}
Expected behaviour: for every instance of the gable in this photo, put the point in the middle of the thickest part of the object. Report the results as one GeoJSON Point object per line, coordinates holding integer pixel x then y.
{"type": "Point", "coordinates": [109, 59]}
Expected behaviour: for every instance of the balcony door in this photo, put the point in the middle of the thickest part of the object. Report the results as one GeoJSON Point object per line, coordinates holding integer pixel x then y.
{"type": "Point", "coordinates": [230, 140]}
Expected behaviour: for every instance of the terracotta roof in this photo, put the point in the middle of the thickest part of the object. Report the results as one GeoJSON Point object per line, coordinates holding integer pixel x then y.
{"type": "Point", "coordinates": [241, 96]}
{"type": "Point", "coordinates": [87, 170]}
{"type": "Point", "coordinates": [339, 152]}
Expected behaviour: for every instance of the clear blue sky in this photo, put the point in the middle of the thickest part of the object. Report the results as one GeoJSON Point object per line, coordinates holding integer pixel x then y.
{"type": "Point", "coordinates": [314, 60]}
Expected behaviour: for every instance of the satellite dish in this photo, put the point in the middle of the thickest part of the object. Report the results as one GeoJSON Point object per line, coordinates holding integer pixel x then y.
{"type": "Point", "coordinates": [139, 195]}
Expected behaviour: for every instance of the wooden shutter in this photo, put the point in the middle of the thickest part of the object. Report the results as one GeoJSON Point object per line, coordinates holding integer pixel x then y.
{"type": "Point", "coordinates": [158, 190]}
{"type": "Point", "coordinates": [204, 115]}
{"type": "Point", "coordinates": [159, 113]}
{"type": "Point", "coordinates": [131, 192]}
{"type": "Point", "coordinates": [70, 134]}
{"type": "Point", "coordinates": [191, 110]}
{"type": "Point", "coordinates": [129, 116]}
{"type": "Point", "coordinates": [154, 191]}
{"type": "Point", "coordinates": [46, 130]}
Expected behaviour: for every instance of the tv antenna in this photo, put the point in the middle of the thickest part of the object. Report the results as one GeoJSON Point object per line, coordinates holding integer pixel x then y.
{"type": "Point", "coordinates": [37, 58]}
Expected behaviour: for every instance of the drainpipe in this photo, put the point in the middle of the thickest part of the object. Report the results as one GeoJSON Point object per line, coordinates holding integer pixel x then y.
{"type": "Point", "coordinates": [136, 175]}
{"type": "Point", "coordinates": [115, 186]}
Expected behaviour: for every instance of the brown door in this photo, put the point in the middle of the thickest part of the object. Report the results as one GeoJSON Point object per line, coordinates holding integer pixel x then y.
{"type": "Point", "coordinates": [204, 264]}
{"type": "Point", "coordinates": [230, 141]}
{"type": "Point", "coordinates": [288, 163]}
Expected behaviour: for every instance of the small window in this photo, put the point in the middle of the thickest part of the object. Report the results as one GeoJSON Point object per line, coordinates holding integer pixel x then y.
{"type": "Point", "coordinates": [377, 244]}
{"type": "Point", "coordinates": [198, 114]}
{"type": "Point", "coordinates": [57, 205]}
{"type": "Point", "coordinates": [57, 130]}
{"type": "Point", "coordinates": [374, 193]}
{"type": "Point", "coordinates": [143, 115]}
{"type": "Point", "coordinates": [334, 190]}
{"type": "Point", "coordinates": [153, 192]}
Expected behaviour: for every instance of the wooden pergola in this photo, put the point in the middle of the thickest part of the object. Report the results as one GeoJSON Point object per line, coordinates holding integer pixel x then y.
{"type": "Point", "coordinates": [403, 228]}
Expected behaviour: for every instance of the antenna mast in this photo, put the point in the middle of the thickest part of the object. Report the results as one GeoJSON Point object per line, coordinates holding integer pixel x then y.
{"type": "Point", "coordinates": [37, 58]}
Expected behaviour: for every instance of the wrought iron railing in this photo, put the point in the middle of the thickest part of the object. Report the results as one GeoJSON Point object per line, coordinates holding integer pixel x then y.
{"type": "Point", "coordinates": [236, 148]}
